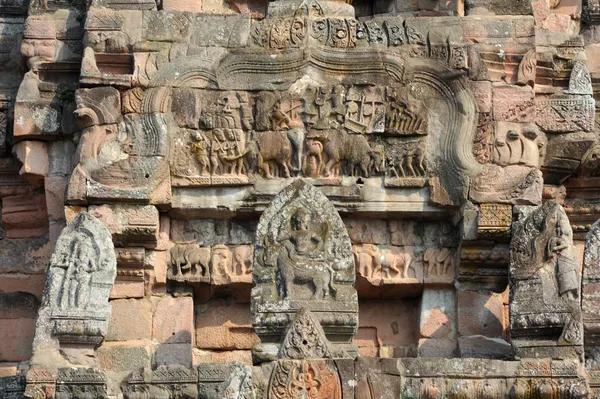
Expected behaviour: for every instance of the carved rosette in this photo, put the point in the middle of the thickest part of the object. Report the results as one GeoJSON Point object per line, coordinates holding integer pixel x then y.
{"type": "Point", "coordinates": [303, 259]}
{"type": "Point", "coordinates": [299, 379]}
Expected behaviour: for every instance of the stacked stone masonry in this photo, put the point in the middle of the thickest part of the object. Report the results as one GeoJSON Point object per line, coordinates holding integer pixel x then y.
{"type": "Point", "coordinates": [299, 199]}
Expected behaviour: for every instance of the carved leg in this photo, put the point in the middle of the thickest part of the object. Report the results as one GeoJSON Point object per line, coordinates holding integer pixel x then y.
{"type": "Point", "coordinates": [328, 167]}
{"type": "Point", "coordinates": [420, 160]}
{"type": "Point", "coordinates": [407, 263]}
{"type": "Point", "coordinates": [283, 165]}
{"type": "Point", "coordinates": [402, 172]}
{"type": "Point", "coordinates": [409, 165]}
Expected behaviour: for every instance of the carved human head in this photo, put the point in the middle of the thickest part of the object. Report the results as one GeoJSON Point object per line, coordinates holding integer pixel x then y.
{"type": "Point", "coordinates": [300, 220]}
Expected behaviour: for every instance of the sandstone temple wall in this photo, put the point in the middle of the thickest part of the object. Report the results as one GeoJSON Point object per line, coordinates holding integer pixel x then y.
{"type": "Point", "coordinates": [299, 198]}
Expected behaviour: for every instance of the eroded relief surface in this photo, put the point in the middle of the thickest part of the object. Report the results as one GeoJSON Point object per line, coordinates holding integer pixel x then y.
{"type": "Point", "coordinates": [289, 199]}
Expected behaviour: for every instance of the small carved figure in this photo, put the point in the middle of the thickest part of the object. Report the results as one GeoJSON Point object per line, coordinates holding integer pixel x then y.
{"type": "Point", "coordinates": [80, 264]}
{"type": "Point", "coordinates": [349, 153]}
{"type": "Point", "coordinates": [398, 264]}
{"type": "Point", "coordinates": [440, 261]}
{"type": "Point", "coordinates": [201, 149]}
{"type": "Point", "coordinates": [407, 156]}
{"type": "Point", "coordinates": [275, 154]}
{"type": "Point", "coordinates": [189, 259]}
{"type": "Point", "coordinates": [301, 259]}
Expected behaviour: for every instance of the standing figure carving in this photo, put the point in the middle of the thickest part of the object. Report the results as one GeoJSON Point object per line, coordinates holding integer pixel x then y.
{"type": "Point", "coordinates": [545, 309]}
{"type": "Point", "coordinates": [75, 308]}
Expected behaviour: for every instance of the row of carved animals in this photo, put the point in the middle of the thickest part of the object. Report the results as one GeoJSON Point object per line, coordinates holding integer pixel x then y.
{"type": "Point", "coordinates": [315, 154]}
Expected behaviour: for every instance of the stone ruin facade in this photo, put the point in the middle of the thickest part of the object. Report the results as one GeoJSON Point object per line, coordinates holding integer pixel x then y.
{"type": "Point", "coordinates": [252, 199]}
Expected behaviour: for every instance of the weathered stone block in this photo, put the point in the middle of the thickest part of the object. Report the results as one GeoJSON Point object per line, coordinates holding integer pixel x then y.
{"type": "Point", "coordinates": [221, 30]}
{"type": "Point", "coordinates": [224, 326]}
{"type": "Point", "coordinates": [56, 187]}
{"type": "Point", "coordinates": [210, 356]}
{"type": "Point", "coordinates": [480, 314]}
{"type": "Point", "coordinates": [25, 216]}
{"type": "Point", "coordinates": [124, 357]}
{"type": "Point", "coordinates": [34, 157]}
{"type": "Point", "coordinates": [483, 95]}
{"type": "Point", "coordinates": [37, 119]}
{"type": "Point", "coordinates": [438, 314]}
{"type": "Point", "coordinates": [13, 282]}
{"type": "Point", "coordinates": [131, 319]}
{"type": "Point", "coordinates": [558, 23]}
{"type": "Point", "coordinates": [168, 354]}
{"type": "Point", "coordinates": [432, 347]}
{"type": "Point", "coordinates": [478, 346]}
{"type": "Point", "coordinates": [25, 256]}
{"type": "Point", "coordinates": [367, 231]}
{"type": "Point", "coordinates": [498, 7]}
{"type": "Point", "coordinates": [17, 337]}
{"type": "Point", "coordinates": [173, 321]}
{"type": "Point", "coordinates": [513, 103]}
{"type": "Point", "coordinates": [127, 289]}
{"type": "Point", "coordinates": [130, 225]}
{"type": "Point", "coordinates": [385, 325]}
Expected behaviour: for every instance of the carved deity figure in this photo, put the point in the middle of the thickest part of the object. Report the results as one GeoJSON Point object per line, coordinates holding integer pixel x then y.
{"type": "Point", "coordinates": [79, 263]}
{"type": "Point", "coordinates": [545, 283]}
{"type": "Point", "coordinates": [551, 246]}
{"type": "Point", "coordinates": [301, 258]}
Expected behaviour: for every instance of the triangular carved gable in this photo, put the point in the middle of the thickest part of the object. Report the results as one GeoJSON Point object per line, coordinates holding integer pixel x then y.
{"type": "Point", "coordinates": [305, 339]}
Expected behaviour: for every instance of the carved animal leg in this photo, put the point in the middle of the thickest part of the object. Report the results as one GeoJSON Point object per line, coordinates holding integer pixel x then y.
{"type": "Point", "coordinates": [264, 166]}
{"type": "Point", "coordinates": [448, 265]}
{"type": "Point", "coordinates": [328, 166]}
{"type": "Point", "coordinates": [320, 284]}
{"type": "Point", "coordinates": [421, 160]}
{"type": "Point", "coordinates": [365, 169]}
{"type": "Point", "coordinates": [283, 165]}
{"type": "Point", "coordinates": [407, 263]}
{"type": "Point", "coordinates": [409, 165]}
{"type": "Point", "coordinates": [402, 172]}
{"type": "Point", "coordinates": [319, 164]}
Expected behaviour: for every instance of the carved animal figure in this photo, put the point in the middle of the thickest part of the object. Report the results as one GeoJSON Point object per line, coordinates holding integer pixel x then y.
{"type": "Point", "coordinates": [409, 155]}
{"type": "Point", "coordinates": [299, 259]}
{"type": "Point", "coordinates": [400, 264]}
{"type": "Point", "coordinates": [350, 152]}
{"type": "Point", "coordinates": [313, 148]}
{"type": "Point", "coordinates": [440, 261]}
{"type": "Point", "coordinates": [189, 259]}
{"type": "Point", "coordinates": [275, 154]}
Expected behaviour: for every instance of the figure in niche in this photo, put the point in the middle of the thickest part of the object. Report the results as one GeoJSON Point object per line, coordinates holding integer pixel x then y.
{"type": "Point", "coordinates": [201, 149]}
{"type": "Point", "coordinates": [80, 263]}
{"type": "Point", "coordinates": [301, 259]}
{"type": "Point", "coordinates": [566, 265]}
{"type": "Point", "coordinates": [544, 275]}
